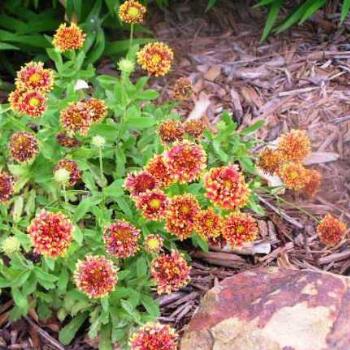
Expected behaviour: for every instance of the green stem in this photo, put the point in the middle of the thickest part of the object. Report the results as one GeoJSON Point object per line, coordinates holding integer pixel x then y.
{"type": "Point", "coordinates": [131, 35]}
{"type": "Point", "coordinates": [64, 193]}
{"type": "Point", "coordinates": [101, 164]}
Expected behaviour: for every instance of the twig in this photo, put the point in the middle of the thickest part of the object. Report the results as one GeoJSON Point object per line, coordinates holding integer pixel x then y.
{"type": "Point", "coordinates": [334, 257]}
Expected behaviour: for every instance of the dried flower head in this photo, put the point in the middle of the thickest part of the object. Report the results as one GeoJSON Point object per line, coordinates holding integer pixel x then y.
{"type": "Point", "coordinates": [51, 233]}
{"type": "Point", "coordinates": [159, 169]}
{"type": "Point", "coordinates": [225, 187]}
{"type": "Point", "coordinates": [98, 109]}
{"type": "Point", "coordinates": [331, 230]}
{"type": "Point", "coordinates": [270, 160]}
{"type": "Point", "coordinates": [98, 141]}
{"type": "Point", "coordinates": [239, 228]}
{"type": "Point", "coordinates": [95, 276]}
{"type": "Point", "coordinates": [68, 38]}
{"type": "Point", "coordinates": [23, 146]}
{"type": "Point", "coordinates": [156, 58]}
{"type": "Point", "coordinates": [152, 204]}
{"type": "Point", "coordinates": [33, 76]}
{"type": "Point", "coordinates": [6, 186]}
{"type": "Point", "coordinates": [10, 245]}
{"type": "Point", "coordinates": [126, 65]}
{"type": "Point", "coordinates": [181, 215]}
{"type": "Point", "coordinates": [312, 183]}
{"type": "Point", "coordinates": [61, 176]}
{"type": "Point", "coordinates": [72, 167]}
{"type": "Point", "coordinates": [67, 141]}
{"type": "Point", "coordinates": [208, 224]}
{"type": "Point", "coordinates": [140, 182]}
{"type": "Point", "coordinates": [170, 131]}
{"type": "Point", "coordinates": [182, 89]}
{"type": "Point", "coordinates": [195, 128]}
{"type": "Point", "coordinates": [293, 175]}
{"type": "Point", "coordinates": [76, 118]}
{"type": "Point", "coordinates": [295, 145]}
{"type": "Point", "coordinates": [153, 244]}
{"type": "Point", "coordinates": [186, 161]}
{"type": "Point", "coordinates": [154, 336]}
{"type": "Point", "coordinates": [170, 272]}
{"type": "Point", "coordinates": [132, 12]}
{"type": "Point", "coordinates": [28, 102]}
{"type": "Point", "coordinates": [121, 239]}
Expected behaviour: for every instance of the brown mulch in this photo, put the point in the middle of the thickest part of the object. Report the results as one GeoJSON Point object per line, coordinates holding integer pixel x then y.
{"type": "Point", "coordinates": [298, 79]}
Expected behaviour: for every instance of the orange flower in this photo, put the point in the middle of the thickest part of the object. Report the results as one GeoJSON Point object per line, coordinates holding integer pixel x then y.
{"type": "Point", "coordinates": [98, 109]}
{"type": "Point", "coordinates": [313, 183]}
{"type": "Point", "coordinates": [67, 141]}
{"type": "Point", "coordinates": [239, 228]}
{"type": "Point", "coordinates": [6, 186]}
{"type": "Point", "coordinates": [33, 76]}
{"type": "Point", "coordinates": [95, 276]}
{"type": "Point", "coordinates": [158, 168]}
{"type": "Point", "coordinates": [171, 130]}
{"type": "Point", "coordinates": [182, 89]}
{"type": "Point", "coordinates": [330, 230]}
{"type": "Point", "coordinates": [295, 145]}
{"type": "Point", "coordinates": [76, 118]}
{"type": "Point", "coordinates": [181, 215]}
{"type": "Point", "coordinates": [28, 102]}
{"type": "Point", "coordinates": [195, 128]}
{"type": "Point", "coordinates": [121, 239]}
{"type": "Point", "coordinates": [270, 160]}
{"type": "Point", "coordinates": [208, 224]}
{"type": "Point", "coordinates": [225, 187]}
{"type": "Point", "coordinates": [156, 58]}
{"type": "Point", "coordinates": [186, 161]}
{"type": "Point", "coordinates": [132, 12]}
{"type": "Point", "coordinates": [23, 146]}
{"type": "Point", "coordinates": [153, 244]}
{"type": "Point", "coordinates": [68, 38]}
{"type": "Point", "coordinates": [170, 272]}
{"type": "Point", "coordinates": [72, 167]}
{"type": "Point", "coordinates": [152, 204]}
{"type": "Point", "coordinates": [154, 336]}
{"type": "Point", "coordinates": [140, 182]}
{"type": "Point", "coordinates": [293, 175]}
{"type": "Point", "coordinates": [51, 233]}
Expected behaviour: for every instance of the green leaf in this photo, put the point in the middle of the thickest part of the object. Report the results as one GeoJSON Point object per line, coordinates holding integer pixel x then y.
{"type": "Point", "coordinates": [85, 206]}
{"type": "Point", "coordinates": [275, 8]}
{"type": "Point", "coordinates": [78, 235]}
{"type": "Point", "coordinates": [68, 332]}
{"type": "Point", "coordinates": [105, 338]}
{"type": "Point", "coordinates": [344, 10]}
{"type": "Point", "coordinates": [20, 300]}
{"type": "Point", "coordinates": [150, 305]}
{"type": "Point", "coordinates": [252, 128]}
{"type": "Point", "coordinates": [140, 122]}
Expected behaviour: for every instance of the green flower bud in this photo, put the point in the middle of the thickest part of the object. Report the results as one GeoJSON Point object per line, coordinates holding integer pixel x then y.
{"type": "Point", "coordinates": [126, 66]}
{"type": "Point", "coordinates": [98, 141]}
{"type": "Point", "coordinates": [10, 245]}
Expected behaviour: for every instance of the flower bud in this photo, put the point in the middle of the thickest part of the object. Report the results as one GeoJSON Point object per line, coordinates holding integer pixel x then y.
{"type": "Point", "coordinates": [98, 141]}
{"type": "Point", "coordinates": [10, 245]}
{"type": "Point", "coordinates": [62, 176]}
{"type": "Point", "coordinates": [126, 66]}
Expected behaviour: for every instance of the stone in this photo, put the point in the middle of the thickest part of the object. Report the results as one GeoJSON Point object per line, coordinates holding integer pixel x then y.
{"type": "Point", "coordinates": [273, 309]}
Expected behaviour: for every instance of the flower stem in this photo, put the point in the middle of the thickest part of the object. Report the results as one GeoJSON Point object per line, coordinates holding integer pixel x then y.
{"type": "Point", "coordinates": [101, 164]}
{"type": "Point", "coordinates": [131, 35]}
{"type": "Point", "coordinates": [64, 193]}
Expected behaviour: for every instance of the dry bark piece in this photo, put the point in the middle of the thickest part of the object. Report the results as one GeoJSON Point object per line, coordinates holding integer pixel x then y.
{"type": "Point", "coordinates": [273, 309]}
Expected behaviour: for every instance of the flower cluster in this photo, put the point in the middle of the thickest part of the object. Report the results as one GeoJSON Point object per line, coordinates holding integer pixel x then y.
{"type": "Point", "coordinates": [331, 230]}
{"type": "Point", "coordinates": [68, 38]}
{"type": "Point", "coordinates": [51, 233]}
{"type": "Point", "coordinates": [286, 161]}
{"type": "Point", "coordinates": [6, 186]}
{"type": "Point", "coordinates": [95, 276]}
{"type": "Point", "coordinates": [170, 272]}
{"type": "Point", "coordinates": [154, 336]}
{"type": "Point", "coordinates": [132, 12]}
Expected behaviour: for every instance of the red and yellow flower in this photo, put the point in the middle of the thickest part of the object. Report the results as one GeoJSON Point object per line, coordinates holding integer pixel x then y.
{"type": "Point", "coordinates": [313, 183]}
{"type": "Point", "coordinates": [28, 102]}
{"type": "Point", "coordinates": [295, 145]}
{"type": "Point", "coordinates": [294, 175]}
{"type": "Point", "coordinates": [239, 228]}
{"type": "Point", "coordinates": [208, 224]}
{"type": "Point", "coordinates": [225, 187]}
{"type": "Point", "coordinates": [152, 204]}
{"type": "Point", "coordinates": [121, 239]}
{"type": "Point", "coordinates": [97, 109]}
{"type": "Point", "coordinates": [51, 233]}
{"type": "Point", "coordinates": [6, 186]}
{"type": "Point", "coordinates": [67, 141]}
{"type": "Point", "coordinates": [159, 169]}
{"type": "Point", "coordinates": [154, 336]}
{"type": "Point", "coordinates": [186, 161]}
{"type": "Point", "coordinates": [23, 146]}
{"type": "Point", "coordinates": [76, 118]}
{"type": "Point", "coordinates": [331, 230]}
{"type": "Point", "coordinates": [95, 276]}
{"type": "Point", "coordinates": [132, 12]}
{"type": "Point", "coordinates": [72, 167]}
{"type": "Point", "coordinates": [182, 89]}
{"type": "Point", "coordinates": [195, 128]}
{"type": "Point", "coordinates": [68, 38]}
{"type": "Point", "coordinates": [139, 182]}
{"type": "Point", "coordinates": [170, 272]}
{"type": "Point", "coordinates": [33, 76]}
{"type": "Point", "coordinates": [270, 160]}
{"type": "Point", "coordinates": [156, 58]}
{"type": "Point", "coordinates": [171, 130]}
{"type": "Point", "coordinates": [153, 244]}
{"type": "Point", "coordinates": [181, 215]}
